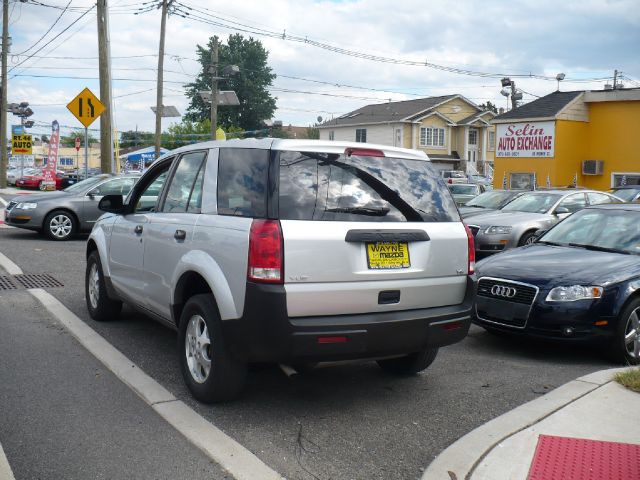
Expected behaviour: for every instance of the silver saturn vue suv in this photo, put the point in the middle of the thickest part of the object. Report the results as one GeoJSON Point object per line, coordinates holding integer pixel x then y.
{"type": "Point", "coordinates": [287, 251]}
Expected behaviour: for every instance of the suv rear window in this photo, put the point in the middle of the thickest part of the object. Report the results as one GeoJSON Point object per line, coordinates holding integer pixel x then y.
{"type": "Point", "coordinates": [242, 182]}
{"type": "Point", "coordinates": [332, 187]}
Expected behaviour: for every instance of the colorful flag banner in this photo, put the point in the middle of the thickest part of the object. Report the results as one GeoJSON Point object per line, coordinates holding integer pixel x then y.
{"type": "Point", "coordinates": [623, 181]}
{"type": "Point", "coordinates": [504, 181]}
{"type": "Point", "coordinates": [535, 181]}
{"type": "Point", "coordinates": [548, 181]}
{"type": "Point", "coordinates": [49, 172]}
{"type": "Point", "coordinates": [575, 180]}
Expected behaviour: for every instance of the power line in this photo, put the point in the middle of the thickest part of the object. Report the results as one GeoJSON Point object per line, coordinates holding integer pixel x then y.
{"type": "Point", "coordinates": [47, 32]}
{"type": "Point", "coordinates": [228, 24]}
{"type": "Point", "coordinates": [50, 41]}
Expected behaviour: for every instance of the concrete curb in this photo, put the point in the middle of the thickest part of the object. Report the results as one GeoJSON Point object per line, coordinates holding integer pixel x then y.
{"type": "Point", "coordinates": [463, 456]}
{"type": "Point", "coordinates": [5, 468]}
{"type": "Point", "coordinates": [241, 463]}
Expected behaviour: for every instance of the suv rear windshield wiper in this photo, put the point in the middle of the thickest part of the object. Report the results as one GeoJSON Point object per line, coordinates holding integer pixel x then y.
{"type": "Point", "coordinates": [599, 249]}
{"type": "Point", "coordinates": [374, 212]}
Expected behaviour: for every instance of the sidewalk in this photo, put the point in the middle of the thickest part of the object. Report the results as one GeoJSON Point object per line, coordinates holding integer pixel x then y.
{"type": "Point", "coordinates": [545, 438]}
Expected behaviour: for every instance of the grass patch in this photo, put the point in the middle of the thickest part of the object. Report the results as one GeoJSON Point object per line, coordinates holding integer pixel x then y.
{"type": "Point", "coordinates": [629, 379]}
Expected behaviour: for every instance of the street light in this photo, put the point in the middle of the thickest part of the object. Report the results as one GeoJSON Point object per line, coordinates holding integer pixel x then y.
{"type": "Point", "coordinates": [559, 78]}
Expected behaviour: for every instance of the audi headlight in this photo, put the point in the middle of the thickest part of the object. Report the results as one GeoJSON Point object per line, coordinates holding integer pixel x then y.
{"type": "Point", "coordinates": [26, 205]}
{"type": "Point", "coordinates": [498, 230]}
{"type": "Point", "coordinates": [573, 293]}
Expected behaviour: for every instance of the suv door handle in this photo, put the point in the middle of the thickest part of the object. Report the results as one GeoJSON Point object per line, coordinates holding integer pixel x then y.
{"type": "Point", "coordinates": [138, 229]}
{"type": "Point", "coordinates": [180, 235]}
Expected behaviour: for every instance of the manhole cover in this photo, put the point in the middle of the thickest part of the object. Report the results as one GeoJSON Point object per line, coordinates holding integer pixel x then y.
{"type": "Point", "coordinates": [6, 283]}
{"type": "Point", "coordinates": [33, 280]}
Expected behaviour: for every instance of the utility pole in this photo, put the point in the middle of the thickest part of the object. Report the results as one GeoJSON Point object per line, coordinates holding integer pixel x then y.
{"type": "Point", "coordinates": [615, 79]}
{"type": "Point", "coordinates": [4, 159]}
{"type": "Point", "coordinates": [163, 23]}
{"type": "Point", "coordinates": [214, 88]}
{"type": "Point", "coordinates": [106, 138]}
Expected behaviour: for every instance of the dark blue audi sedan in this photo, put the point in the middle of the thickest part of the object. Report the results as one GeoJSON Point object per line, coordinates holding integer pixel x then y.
{"type": "Point", "coordinates": [579, 281]}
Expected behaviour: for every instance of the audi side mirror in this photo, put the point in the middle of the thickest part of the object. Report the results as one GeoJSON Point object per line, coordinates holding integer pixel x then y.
{"type": "Point", "coordinates": [561, 211]}
{"type": "Point", "coordinates": [111, 204]}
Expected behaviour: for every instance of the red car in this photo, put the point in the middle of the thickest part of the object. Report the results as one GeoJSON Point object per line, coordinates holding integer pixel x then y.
{"type": "Point", "coordinates": [36, 181]}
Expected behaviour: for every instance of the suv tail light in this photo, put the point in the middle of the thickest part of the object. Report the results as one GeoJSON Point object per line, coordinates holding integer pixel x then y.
{"type": "Point", "coordinates": [266, 252]}
{"type": "Point", "coordinates": [450, 180]}
{"type": "Point", "coordinates": [472, 251]}
{"type": "Point", "coordinates": [364, 152]}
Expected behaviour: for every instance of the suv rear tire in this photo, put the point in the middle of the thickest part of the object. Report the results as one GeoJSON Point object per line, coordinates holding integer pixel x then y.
{"type": "Point", "coordinates": [210, 370]}
{"type": "Point", "coordinates": [409, 364]}
{"type": "Point", "coordinates": [100, 306]}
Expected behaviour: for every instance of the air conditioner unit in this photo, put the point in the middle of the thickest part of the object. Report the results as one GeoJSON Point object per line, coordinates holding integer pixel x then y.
{"type": "Point", "coordinates": [592, 167]}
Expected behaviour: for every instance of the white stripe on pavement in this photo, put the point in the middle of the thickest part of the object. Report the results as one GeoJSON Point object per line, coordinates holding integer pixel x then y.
{"type": "Point", "coordinates": [5, 468]}
{"type": "Point", "coordinates": [241, 463]}
{"type": "Point", "coordinates": [3, 202]}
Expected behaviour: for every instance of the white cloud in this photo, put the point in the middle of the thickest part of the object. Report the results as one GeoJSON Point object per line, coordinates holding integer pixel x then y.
{"type": "Point", "coordinates": [584, 39]}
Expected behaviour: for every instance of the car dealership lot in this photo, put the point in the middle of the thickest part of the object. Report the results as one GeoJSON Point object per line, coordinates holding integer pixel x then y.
{"type": "Point", "coordinates": [349, 421]}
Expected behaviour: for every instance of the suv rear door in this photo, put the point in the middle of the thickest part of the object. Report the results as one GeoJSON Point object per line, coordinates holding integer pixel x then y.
{"type": "Point", "coordinates": [367, 234]}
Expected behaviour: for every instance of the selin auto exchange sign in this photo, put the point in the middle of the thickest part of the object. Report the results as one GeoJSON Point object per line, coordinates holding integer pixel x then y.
{"type": "Point", "coordinates": [528, 139]}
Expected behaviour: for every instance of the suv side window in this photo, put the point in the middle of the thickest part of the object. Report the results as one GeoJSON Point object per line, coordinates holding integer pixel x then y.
{"type": "Point", "coordinates": [573, 203]}
{"type": "Point", "coordinates": [183, 181]}
{"type": "Point", "coordinates": [242, 182]}
{"type": "Point", "coordinates": [145, 195]}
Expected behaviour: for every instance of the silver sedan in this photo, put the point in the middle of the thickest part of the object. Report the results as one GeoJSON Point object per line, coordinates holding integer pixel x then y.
{"type": "Point", "coordinates": [516, 224]}
{"type": "Point", "coordinates": [60, 215]}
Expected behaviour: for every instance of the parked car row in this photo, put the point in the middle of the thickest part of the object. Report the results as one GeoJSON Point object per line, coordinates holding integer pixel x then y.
{"type": "Point", "coordinates": [60, 215]}
{"type": "Point", "coordinates": [300, 252]}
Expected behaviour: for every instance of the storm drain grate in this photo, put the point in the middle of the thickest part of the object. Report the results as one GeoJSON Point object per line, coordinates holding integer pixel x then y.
{"type": "Point", "coordinates": [6, 283]}
{"type": "Point", "coordinates": [36, 280]}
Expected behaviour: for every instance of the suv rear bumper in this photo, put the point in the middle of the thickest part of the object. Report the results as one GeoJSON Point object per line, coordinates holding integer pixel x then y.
{"type": "Point", "coordinates": [265, 333]}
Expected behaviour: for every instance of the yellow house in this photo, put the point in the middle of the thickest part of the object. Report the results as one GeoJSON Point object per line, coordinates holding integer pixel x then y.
{"type": "Point", "coordinates": [584, 138]}
{"type": "Point", "coordinates": [455, 132]}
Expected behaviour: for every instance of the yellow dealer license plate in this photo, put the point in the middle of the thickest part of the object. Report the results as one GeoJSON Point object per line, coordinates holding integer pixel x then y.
{"type": "Point", "coordinates": [388, 255]}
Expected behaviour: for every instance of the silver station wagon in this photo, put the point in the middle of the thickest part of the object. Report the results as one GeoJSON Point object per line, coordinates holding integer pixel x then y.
{"type": "Point", "coordinates": [294, 252]}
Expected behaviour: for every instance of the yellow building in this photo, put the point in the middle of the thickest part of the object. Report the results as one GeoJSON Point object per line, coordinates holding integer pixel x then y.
{"type": "Point", "coordinates": [453, 131]}
{"type": "Point", "coordinates": [564, 138]}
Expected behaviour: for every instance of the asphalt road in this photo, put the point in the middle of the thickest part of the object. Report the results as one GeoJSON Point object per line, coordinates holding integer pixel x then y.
{"type": "Point", "coordinates": [343, 422]}
{"type": "Point", "coordinates": [65, 416]}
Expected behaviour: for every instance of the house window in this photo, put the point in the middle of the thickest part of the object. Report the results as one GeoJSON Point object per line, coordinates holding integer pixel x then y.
{"type": "Point", "coordinates": [492, 141]}
{"type": "Point", "coordinates": [332, 135]}
{"type": "Point", "coordinates": [473, 137]}
{"type": "Point", "coordinates": [361, 135]}
{"type": "Point", "coordinates": [431, 137]}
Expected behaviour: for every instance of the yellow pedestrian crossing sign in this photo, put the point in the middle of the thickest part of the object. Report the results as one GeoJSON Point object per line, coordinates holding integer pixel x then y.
{"type": "Point", "coordinates": [86, 107]}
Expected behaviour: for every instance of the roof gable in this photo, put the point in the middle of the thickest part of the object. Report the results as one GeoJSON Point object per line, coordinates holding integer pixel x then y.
{"type": "Point", "coordinates": [387, 112]}
{"type": "Point", "coordinates": [544, 107]}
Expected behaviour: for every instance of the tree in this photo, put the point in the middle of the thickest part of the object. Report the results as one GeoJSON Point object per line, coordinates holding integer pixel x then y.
{"type": "Point", "coordinates": [44, 138]}
{"type": "Point", "coordinates": [313, 132]}
{"type": "Point", "coordinates": [488, 106]}
{"type": "Point", "coordinates": [134, 138]}
{"type": "Point", "coordinates": [256, 103]}
{"type": "Point", "coordinates": [185, 133]}
{"type": "Point", "coordinates": [70, 140]}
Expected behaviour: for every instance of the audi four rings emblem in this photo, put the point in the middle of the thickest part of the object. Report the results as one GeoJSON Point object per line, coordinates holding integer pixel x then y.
{"type": "Point", "coordinates": [502, 291]}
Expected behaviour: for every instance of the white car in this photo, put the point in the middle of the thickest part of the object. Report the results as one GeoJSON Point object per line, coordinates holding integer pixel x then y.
{"type": "Point", "coordinates": [287, 251]}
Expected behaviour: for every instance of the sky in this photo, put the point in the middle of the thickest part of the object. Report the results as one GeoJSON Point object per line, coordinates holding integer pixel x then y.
{"type": "Point", "coordinates": [391, 51]}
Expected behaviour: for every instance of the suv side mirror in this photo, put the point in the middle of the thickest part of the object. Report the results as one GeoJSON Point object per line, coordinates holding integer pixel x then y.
{"type": "Point", "coordinates": [562, 210]}
{"type": "Point", "coordinates": [111, 204]}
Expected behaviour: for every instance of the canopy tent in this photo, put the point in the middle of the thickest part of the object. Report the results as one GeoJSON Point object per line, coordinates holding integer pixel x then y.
{"type": "Point", "coordinates": [140, 159]}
